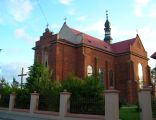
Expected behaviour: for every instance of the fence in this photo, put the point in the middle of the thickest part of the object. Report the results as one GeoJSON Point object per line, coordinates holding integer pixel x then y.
{"type": "Point", "coordinates": [4, 101]}
{"type": "Point", "coordinates": [22, 101]}
{"type": "Point", "coordinates": [87, 105]}
{"type": "Point", "coordinates": [153, 107]}
{"type": "Point", "coordinates": [49, 103]}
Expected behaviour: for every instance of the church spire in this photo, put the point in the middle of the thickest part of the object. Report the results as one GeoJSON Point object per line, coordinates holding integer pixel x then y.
{"type": "Point", "coordinates": [107, 30]}
{"type": "Point", "coordinates": [47, 28]}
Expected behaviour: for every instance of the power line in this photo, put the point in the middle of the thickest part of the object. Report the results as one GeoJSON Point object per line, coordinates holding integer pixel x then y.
{"type": "Point", "coordinates": [42, 11]}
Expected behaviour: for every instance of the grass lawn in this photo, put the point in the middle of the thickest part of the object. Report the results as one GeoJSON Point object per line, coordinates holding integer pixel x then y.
{"type": "Point", "coordinates": [129, 113]}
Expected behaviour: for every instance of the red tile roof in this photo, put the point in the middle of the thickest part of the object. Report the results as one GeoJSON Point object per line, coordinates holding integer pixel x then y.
{"type": "Point", "coordinates": [118, 47]}
{"type": "Point", "coordinates": [122, 46]}
{"type": "Point", "coordinates": [153, 55]}
{"type": "Point", "coordinates": [76, 32]}
{"type": "Point", "coordinates": [95, 42]}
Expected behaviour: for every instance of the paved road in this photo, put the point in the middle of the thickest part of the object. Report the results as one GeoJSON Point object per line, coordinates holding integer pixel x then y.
{"type": "Point", "coordinates": [11, 116]}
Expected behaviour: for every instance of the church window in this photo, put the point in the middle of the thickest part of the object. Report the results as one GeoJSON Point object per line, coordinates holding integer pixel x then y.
{"type": "Point", "coordinates": [37, 57]}
{"type": "Point", "coordinates": [89, 70]}
{"type": "Point", "coordinates": [45, 57]}
{"type": "Point", "coordinates": [101, 76]}
{"type": "Point", "coordinates": [140, 75]}
{"type": "Point", "coordinates": [111, 78]}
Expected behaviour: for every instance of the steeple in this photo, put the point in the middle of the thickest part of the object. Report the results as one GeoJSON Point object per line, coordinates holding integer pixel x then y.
{"type": "Point", "coordinates": [47, 29]}
{"type": "Point", "coordinates": [107, 30]}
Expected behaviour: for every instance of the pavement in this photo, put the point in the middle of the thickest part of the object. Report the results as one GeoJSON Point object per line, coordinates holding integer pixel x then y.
{"type": "Point", "coordinates": [6, 115]}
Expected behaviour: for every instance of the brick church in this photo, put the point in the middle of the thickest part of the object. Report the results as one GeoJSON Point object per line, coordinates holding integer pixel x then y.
{"type": "Point", "coordinates": [122, 65]}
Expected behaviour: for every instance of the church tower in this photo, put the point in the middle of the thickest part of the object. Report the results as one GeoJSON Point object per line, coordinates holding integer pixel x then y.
{"type": "Point", "coordinates": [107, 30]}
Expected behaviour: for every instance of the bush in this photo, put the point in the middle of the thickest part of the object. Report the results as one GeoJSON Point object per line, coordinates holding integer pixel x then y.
{"type": "Point", "coordinates": [87, 95]}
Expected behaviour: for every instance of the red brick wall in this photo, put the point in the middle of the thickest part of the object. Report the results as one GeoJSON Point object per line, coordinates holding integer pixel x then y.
{"type": "Point", "coordinates": [90, 56]}
{"type": "Point", "coordinates": [65, 61]}
{"type": "Point", "coordinates": [80, 64]}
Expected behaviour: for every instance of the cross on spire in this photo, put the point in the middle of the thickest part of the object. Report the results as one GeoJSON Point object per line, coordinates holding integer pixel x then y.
{"type": "Point", "coordinates": [137, 31]}
{"type": "Point", "coordinates": [107, 14]}
{"type": "Point", "coordinates": [65, 19]}
{"type": "Point", "coordinates": [22, 75]}
{"type": "Point", "coordinates": [47, 25]}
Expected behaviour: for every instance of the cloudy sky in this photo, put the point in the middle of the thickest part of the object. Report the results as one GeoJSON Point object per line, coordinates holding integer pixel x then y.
{"type": "Point", "coordinates": [22, 23]}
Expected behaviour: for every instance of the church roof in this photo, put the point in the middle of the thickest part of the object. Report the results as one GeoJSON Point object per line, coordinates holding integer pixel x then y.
{"type": "Point", "coordinates": [118, 47]}
{"type": "Point", "coordinates": [153, 55]}
{"type": "Point", "coordinates": [95, 42]}
{"type": "Point", "coordinates": [122, 46]}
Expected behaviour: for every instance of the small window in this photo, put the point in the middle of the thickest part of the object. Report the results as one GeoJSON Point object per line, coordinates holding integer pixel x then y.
{"type": "Point", "coordinates": [140, 75]}
{"type": "Point", "coordinates": [111, 78]}
{"type": "Point", "coordinates": [45, 57]}
{"type": "Point", "coordinates": [89, 70]}
{"type": "Point", "coordinates": [101, 76]}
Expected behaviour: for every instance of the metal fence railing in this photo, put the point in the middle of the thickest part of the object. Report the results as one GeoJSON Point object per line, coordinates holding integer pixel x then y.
{"type": "Point", "coordinates": [87, 105]}
{"type": "Point", "coordinates": [22, 101]}
{"type": "Point", "coordinates": [49, 103]}
{"type": "Point", "coordinates": [4, 101]}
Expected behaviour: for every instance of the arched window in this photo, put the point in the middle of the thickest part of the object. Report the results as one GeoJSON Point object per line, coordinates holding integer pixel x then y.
{"type": "Point", "coordinates": [89, 70]}
{"type": "Point", "coordinates": [101, 76]}
{"type": "Point", "coordinates": [111, 78]}
{"type": "Point", "coordinates": [140, 75]}
{"type": "Point", "coordinates": [45, 57]}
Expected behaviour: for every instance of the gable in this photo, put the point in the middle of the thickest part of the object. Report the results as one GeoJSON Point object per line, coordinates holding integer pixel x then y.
{"type": "Point", "coordinates": [66, 33]}
{"type": "Point", "coordinates": [138, 48]}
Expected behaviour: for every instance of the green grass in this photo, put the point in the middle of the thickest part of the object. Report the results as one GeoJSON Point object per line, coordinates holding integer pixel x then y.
{"type": "Point", "coordinates": [129, 113]}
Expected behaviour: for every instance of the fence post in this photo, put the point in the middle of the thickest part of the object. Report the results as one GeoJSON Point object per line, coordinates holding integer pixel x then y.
{"type": "Point", "coordinates": [145, 103]}
{"type": "Point", "coordinates": [34, 102]}
{"type": "Point", "coordinates": [64, 103]}
{"type": "Point", "coordinates": [111, 104]}
{"type": "Point", "coordinates": [12, 101]}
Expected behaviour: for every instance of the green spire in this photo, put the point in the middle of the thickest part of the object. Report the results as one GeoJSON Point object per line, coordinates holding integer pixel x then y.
{"type": "Point", "coordinates": [107, 30]}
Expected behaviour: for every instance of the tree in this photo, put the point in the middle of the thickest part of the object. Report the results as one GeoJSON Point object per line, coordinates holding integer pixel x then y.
{"type": "Point", "coordinates": [39, 78]}
{"type": "Point", "coordinates": [4, 87]}
{"type": "Point", "coordinates": [153, 75]}
{"type": "Point", "coordinates": [3, 83]}
{"type": "Point", "coordinates": [14, 84]}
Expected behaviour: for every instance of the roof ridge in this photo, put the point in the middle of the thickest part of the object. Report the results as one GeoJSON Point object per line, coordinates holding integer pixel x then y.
{"type": "Point", "coordinates": [82, 32]}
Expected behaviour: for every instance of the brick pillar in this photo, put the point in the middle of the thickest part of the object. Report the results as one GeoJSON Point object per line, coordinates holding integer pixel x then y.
{"type": "Point", "coordinates": [34, 102]}
{"type": "Point", "coordinates": [64, 103]}
{"type": "Point", "coordinates": [145, 103]}
{"type": "Point", "coordinates": [111, 104]}
{"type": "Point", "coordinates": [12, 101]}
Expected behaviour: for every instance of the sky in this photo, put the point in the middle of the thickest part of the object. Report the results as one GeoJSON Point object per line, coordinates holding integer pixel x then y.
{"type": "Point", "coordinates": [22, 22]}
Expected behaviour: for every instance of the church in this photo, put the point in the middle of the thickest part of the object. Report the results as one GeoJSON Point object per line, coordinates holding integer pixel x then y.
{"type": "Point", "coordinates": [122, 65]}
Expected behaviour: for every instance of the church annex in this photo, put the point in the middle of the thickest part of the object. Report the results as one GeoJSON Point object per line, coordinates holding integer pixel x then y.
{"type": "Point", "coordinates": [122, 65]}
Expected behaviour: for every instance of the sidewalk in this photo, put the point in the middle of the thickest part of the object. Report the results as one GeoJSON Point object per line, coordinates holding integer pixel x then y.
{"type": "Point", "coordinates": [20, 115]}
{"type": "Point", "coordinates": [7, 115]}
